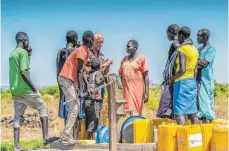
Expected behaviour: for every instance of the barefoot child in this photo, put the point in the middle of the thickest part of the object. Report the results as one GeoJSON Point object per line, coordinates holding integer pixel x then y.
{"type": "Point", "coordinates": [92, 102]}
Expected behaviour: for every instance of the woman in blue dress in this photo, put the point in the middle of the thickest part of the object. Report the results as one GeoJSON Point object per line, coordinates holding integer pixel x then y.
{"type": "Point", "coordinates": [205, 77]}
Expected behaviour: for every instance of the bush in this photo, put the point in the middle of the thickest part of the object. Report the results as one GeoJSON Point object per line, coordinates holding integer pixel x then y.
{"type": "Point", "coordinates": [5, 94]}
{"type": "Point", "coordinates": [154, 97]}
{"type": "Point", "coordinates": [221, 90]}
{"type": "Point", "coordinates": [53, 90]}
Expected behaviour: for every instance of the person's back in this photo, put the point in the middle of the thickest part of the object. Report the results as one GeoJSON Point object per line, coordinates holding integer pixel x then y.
{"type": "Point", "coordinates": [62, 57]}
{"type": "Point", "coordinates": [191, 54]}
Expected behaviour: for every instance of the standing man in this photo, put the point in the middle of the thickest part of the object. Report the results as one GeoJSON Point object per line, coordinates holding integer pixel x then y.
{"type": "Point", "coordinates": [95, 53]}
{"type": "Point", "coordinates": [69, 80]}
{"type": "Point", "coordinates": [23, 90]}
{"type": "Point", "coordinates": [72, 44]}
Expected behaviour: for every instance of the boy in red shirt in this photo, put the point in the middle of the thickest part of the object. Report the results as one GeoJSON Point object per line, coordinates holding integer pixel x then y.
{"type": "Point", "coordinates": [68, 81]}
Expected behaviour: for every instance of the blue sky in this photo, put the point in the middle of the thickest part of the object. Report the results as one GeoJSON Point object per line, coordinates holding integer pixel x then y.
{"type": "Point", "coordinates": [47, 22]}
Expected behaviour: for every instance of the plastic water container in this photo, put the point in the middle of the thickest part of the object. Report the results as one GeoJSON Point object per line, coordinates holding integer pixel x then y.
{"type": "Point", "coordinates": [143, 131]}
{"type": "Point", "coordinates": [155, 135]}
{"type": "Point", "coordinates": [127, 129]}
{"type": "Point", "coordinates": [167, 137]}
{"type": "Point", "coordinates": [102, 135]}
{"type": "Point", "coordinates": [83, 132]}
{"type": "Point", "coordinates": [160, 121]}
{"type": "Point", "coordinates": [189, 138]}
{"type": "Point", "coordinates": [206, 135]}
{"type": "Point", "coordinates": [219, 140]}
{"type": "Point", "coordinates": [220, 121]}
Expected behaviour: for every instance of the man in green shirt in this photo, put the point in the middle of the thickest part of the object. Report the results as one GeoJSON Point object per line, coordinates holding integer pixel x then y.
{"type": "Point", "coordinates": [22, 89]}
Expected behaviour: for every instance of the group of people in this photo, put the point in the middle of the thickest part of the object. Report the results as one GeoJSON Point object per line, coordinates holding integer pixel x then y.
{"type": "Point", "coordinates": [188, 78]}
{"type": "Point", "coordinates": [81, 69]}
{"type": "Point", "coordinates": [188, 81]}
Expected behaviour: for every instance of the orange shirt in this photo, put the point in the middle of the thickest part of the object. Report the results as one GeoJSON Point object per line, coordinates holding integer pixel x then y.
{"type": "Point", "coordinates": [69, 69]}
{"type": "Point", "coordinates": [133, 82]}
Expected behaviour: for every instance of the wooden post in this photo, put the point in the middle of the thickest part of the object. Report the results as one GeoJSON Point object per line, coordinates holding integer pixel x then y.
{"type": "Point", "coordinates": [112, 119]}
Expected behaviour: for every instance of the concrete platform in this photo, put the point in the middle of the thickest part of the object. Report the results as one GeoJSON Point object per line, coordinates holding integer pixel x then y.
{"type": "Point", "coordinates": [56, 146]}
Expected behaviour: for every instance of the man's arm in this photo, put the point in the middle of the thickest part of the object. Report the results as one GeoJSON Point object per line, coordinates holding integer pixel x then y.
{"type": "Point", "coordinates": [182, 69]}
{"type": "Point", "coordinates": [26, 78]}
{"type": "Point", "coordinates": [106, 66]}
{"type": "Point", "coordinates": [79, 71]}
{"type": "Point", "coordinates": [85, 79]}
{"type": "Point", "coordinates": [146, 88]}
{"type": "Point", "coordinates": [24, 68]}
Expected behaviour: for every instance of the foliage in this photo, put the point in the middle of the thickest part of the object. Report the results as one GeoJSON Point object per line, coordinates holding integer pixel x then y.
{"type": "Point", "coordinates": [221, 90]}
{"type": "Point", "coordinates": [27, 144]}
{"type": "Point", "coordinates": [154, 97]}
{"type": "Point", "coordinates": [53, 90]}
{"type": "Point", "coordinates": [5, 94]}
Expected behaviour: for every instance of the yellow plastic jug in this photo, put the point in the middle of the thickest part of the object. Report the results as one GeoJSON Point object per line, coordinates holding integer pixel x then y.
{"type": "Point", "coordinates": [160, 121]}
{"type": "Point", "coordinates": [206, 135]}
{"type": "Point", "coordinates": [83, 132]}
{"type": "Point", "coordinates": [167, 137]}
{"type": "Point", "coordinates": [189, 138]}
{"type": "Point", "coordinates": [143, 131]}
{"type": "Point", "coordinates": [219, 140]}
{"type": "Point", "coordinates": [188, 122]}
{"type": "Point", "coordinates": [220, 121]}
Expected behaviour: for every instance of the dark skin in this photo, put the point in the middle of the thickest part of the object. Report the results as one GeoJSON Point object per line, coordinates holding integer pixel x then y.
{"type": "Point", "coordinates": [182, 59]}
{"type": "Point", "coordinates": [70, 45]}
{"type": "Point", "coordinates": [202, 39]}
{"type": "Point", "coordinates": [131, 49]}
{"type": "Point", "coordinates": [170, 36]}
{"type": "Point", "coordinates": [202, 63]}
{"type": "Point", "coordinates": [80, 63]}
{"type": "Point", "coordinates": [180, 118]}
{"type": "Point", "coordinates": [25, 73]}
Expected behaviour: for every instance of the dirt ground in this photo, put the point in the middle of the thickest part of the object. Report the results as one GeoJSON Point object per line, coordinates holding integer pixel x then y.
{"type": "Point", "coordinates": [29, 133]}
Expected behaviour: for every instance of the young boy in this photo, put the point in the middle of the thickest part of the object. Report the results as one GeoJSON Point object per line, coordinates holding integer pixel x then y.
{"type": "Point", "coordinates": [94, 78]}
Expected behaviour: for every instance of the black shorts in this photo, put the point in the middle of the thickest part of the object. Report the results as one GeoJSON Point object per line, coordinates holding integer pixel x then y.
{"type": "Point", "coordinates": [92, 112]}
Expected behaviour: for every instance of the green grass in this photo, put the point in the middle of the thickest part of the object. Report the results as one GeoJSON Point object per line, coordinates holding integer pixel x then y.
{"type": "Point", "coordinates": [221, 93]}
{"type": "Point", "coordinates": [27, 144]}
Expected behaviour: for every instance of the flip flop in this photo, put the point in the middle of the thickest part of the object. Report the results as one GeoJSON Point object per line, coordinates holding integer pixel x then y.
{"type": "Point", "coordinates": [50, 140]}
{"type": "Point", "coordinates": [69, 143]}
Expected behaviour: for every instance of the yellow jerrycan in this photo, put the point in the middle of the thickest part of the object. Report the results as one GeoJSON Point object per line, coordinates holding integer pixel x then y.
{"type": "Point", "coordinates": [220, 121]}
{"type": "Point", "coordinates": [206, 135]}
{"type": "Point", "coordinates": [167, 134]}
{"type": "Point", "coordinates": [143, 131]}
{"type": "Point", "coordinates": [189, 138]}
{"type": "Point", "coordinates": [83, 132]}
{"type": "Point", "coordinates": [219, 140]}
{"type": "Point", "coordinates": [160, 121]}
